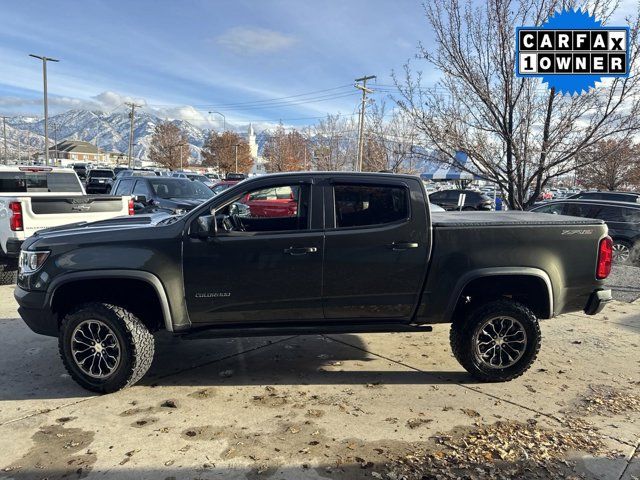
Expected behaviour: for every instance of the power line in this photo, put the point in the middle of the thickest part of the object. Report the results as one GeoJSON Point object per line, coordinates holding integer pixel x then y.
{"type": "Point", "coordinates": [277, 99]}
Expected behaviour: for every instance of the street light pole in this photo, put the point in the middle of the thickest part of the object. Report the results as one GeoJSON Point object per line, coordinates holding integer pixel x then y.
{"type": "Point", "coordinates": [224, 120]}
{"type": "Point", "coordinates": [46, 106]}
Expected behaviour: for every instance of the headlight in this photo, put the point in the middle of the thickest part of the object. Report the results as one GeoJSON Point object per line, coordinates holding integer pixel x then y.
{"type": "Point", "coordinates": [30, 262]}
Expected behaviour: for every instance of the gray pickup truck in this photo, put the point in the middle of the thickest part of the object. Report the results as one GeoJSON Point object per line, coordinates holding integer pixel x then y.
{"type": "Point", "coordinates": [309, 253]}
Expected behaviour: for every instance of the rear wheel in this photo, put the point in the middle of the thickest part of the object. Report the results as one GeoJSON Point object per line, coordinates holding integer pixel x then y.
{"type": "Point", "coordinates": [497, 341]}
{"type": "Point", "coordinates": [104, 347]}
{"type": "Point", "coordinates": [621, 252]}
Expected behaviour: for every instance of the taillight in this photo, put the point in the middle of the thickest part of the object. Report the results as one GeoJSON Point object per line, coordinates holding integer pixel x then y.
{"type": "Point", "coordinates": [131, 210]}
{"type": "Point", "coordinates": [15, 221]}
{"type": "Point", "coordinates": [605, 256]}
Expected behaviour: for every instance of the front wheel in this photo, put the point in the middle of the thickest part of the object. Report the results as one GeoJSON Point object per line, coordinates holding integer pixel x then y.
{"type": "Point", "coordinates": [104, 347]}
{"type": "Point", "coordinates": [496, 342]}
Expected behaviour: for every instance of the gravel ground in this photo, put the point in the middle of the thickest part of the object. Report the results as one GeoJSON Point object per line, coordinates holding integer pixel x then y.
{"type": "Point", "coordinates": [625, 282]}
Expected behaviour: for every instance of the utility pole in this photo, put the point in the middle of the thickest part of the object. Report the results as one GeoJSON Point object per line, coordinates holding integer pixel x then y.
{"type": "Point", "coordinates": [4, 133]}
{"type": "Point", "coordinates": [181, 168]}
{"type": "Point", "coordinates": [236, 147]}
{"type": "Point", "coordinates": [46, 105]}
{"type": "Point", "coordinates": [365, 90]}
{"type": "Point", "coordinates": [133, 107]}
{"type": "Point", "coordinates": [55, 141]}
{"type": "Point", "coordinates": [28, 147]}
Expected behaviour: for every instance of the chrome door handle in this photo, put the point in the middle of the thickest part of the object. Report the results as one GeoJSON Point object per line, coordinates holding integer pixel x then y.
{"type": "Point", "coordinates": [401, 246]}
{"type": "Point", "coordinates": [300, 250]}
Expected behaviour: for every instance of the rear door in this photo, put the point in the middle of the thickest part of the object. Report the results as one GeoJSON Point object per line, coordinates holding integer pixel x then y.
{"type": "Point", "coordinates": [376, 248]}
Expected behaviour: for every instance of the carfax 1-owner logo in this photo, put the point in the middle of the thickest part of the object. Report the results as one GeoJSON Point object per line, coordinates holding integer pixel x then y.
{"type": "Point", "coordinates": [572, 51]}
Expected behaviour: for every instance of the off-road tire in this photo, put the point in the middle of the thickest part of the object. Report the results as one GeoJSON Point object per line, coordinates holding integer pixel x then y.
{"type": "Point", "coordinates": [8, 272]}
{"type": "Point", "coordinates": [463, 332]}
{"type": "Point", "coordinates": [136, 346]}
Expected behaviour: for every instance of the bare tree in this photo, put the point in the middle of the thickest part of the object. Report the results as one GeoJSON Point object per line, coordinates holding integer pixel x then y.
{"type": "Point", "coordinates": [614, 164]}
{"type": "Point", "coordinates": [220, 151]}
{"type": "Point", "coordinates": [518, 133]}
{"type": "Point", "coordinates": [286, 151]}
{"type": "Point", "coordinates": [335, 143]}
{"type": "Point", "coordinates": [389, 144]}
{"type": "Point", "coordinates": [165, 147]}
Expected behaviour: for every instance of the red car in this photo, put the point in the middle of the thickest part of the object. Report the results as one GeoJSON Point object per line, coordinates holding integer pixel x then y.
{"type": "Point", "coordinates": [223, 185]}
{"type": "Point", "coordinates": [272, 202]}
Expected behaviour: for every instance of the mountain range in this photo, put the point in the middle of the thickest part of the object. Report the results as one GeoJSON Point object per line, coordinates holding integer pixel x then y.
{"type": "Point", "coordinates": [109, 131]}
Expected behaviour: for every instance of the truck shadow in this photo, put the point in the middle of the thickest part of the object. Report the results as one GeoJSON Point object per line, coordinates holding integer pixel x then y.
{"type": "Point", "coordinates": [37, 373]}
{"type": "Point", "coordinates": [299, 360]}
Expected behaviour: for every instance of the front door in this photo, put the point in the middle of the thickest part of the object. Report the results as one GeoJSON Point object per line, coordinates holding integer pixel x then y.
{"type": "Point", "coordinates": [376, 254]}
{"type": "Point", "coordinates": [259, 266]}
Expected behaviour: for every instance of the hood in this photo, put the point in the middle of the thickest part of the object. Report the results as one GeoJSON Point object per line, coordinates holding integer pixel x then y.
{"type": "Point", "coordinates": [101, 226]}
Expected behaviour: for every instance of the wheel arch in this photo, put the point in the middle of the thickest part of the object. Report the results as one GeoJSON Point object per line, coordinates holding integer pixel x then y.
{"type": "Point", "coordinates": [147, 278]}
{"type": "Point", "coordinates": [505, 279]}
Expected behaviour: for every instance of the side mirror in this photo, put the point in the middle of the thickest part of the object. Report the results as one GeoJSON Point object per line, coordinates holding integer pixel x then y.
{"type": "Point", "coordinates": [201, 228]}
{"type": "Point", "coordinates": [140, 199]}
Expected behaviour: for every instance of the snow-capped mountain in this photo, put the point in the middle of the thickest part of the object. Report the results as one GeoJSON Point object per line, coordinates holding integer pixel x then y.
{"type": "Point", "coordinates": [109, 131]}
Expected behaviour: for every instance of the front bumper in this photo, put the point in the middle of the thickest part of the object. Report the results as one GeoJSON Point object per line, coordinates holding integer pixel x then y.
{"type": "Point", "coordinates": [33, 308]}
{"type": "Point", "coordinates": [597, 301]}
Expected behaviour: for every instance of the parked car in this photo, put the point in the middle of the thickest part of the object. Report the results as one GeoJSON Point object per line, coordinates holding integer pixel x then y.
{"type": "Point", "coordinates": [448, 199]}
{"type": "Point", "coordinates": [213, 176]}
{"type": "Point", "coordinates": [81, 170]}
{"type": "Point", "coordinates": [360, 254]}
{"type": "Point", "coordinates": [35, 198]}
{"type": "Point", "coordinates": [272, 202]}
{"type": "Point", "coordinates": [135, 172]}
{"type": "Point", "coordinates": [194, 177]}
{"type": "Point", "coordinates": [622, 218]}
{"type": "Point", "coordinates": [153, 193]}
{"type": "Point", "coordinates": [606, 195]}
{"type": "Point", "coordinates": [99, 180]}
{"type": "Point", "coordinates": [223, 185]}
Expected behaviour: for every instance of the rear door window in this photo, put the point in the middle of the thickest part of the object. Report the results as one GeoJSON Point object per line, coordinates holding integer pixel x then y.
{"type": "Point", "coordinates": [370, 205]}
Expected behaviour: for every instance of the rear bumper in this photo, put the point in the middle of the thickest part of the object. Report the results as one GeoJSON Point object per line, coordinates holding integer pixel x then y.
{"type": "Point", "coordinates": [33, 309]}
{"type": "Point", "coordinates": [13, 247]}
{"type": "Point", "coordinates": [597, 301]}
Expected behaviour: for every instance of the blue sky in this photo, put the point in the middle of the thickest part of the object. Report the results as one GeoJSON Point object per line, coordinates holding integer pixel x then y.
{"type": "Point", "coordinates": [184, 58]}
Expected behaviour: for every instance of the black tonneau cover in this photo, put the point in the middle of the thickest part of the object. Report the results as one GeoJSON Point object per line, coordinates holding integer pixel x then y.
{"type": "Point", "coordinates": [511, 219]}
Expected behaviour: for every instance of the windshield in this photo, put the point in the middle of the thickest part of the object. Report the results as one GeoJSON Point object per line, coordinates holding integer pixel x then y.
{"type": "Point", "coordinates": [179, 188]}
{"type": "Point", "coordinates": [220, 188]}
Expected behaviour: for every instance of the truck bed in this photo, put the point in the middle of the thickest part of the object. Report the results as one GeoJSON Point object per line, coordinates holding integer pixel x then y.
{"type": "Point", "coordinates": [500, 219]}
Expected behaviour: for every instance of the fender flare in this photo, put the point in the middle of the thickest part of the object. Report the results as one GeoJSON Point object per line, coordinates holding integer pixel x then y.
{"type": "Point", "coordinates": [498, 271]}
{"type": "Point", "coordinates": [146, 277]}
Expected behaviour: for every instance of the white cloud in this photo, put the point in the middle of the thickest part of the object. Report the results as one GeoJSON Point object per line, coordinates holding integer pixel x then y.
{"type": "Point", "coordinates": [254, 40]}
